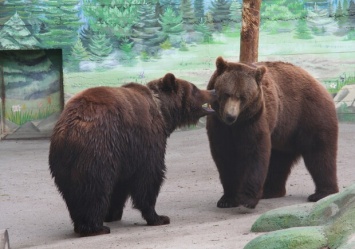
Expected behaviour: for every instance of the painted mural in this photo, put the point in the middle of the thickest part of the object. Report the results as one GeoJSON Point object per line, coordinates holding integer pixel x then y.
{"type": "Point", "coordinates": [30, 92]}
{"type": "Point", "coordinates": [112, 42]}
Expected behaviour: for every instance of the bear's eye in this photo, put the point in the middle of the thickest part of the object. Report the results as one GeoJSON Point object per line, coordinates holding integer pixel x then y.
{"type": "Point", "coordinates": [225, 96]}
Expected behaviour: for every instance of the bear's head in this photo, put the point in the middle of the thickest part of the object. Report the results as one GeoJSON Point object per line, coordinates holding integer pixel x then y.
{"type": "Point", "coordinates": [238, 89]}
{"type": "Point", "coordinates": [181, 102]}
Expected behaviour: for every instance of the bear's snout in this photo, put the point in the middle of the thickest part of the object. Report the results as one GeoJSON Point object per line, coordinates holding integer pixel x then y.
{"type": "Point", "coordinates": [211, 96]}
{"type": "Point", "coordinates": [230, 119]}
{"type": "Point", "coordinates": [231, 111]}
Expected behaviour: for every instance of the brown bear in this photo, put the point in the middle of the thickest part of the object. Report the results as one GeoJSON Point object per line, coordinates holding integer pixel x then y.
{"type": "Point", "coordinates": [109, 143]}
{"type": "Point", "coordinates": [268, 115]}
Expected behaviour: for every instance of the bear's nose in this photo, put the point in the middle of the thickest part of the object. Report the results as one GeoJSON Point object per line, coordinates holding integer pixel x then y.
{"type": "Point", "coordinates": [230, 119]}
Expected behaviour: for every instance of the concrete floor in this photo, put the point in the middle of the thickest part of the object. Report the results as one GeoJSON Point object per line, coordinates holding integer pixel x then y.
{"type": "Point", "coordinates": [35, 215]}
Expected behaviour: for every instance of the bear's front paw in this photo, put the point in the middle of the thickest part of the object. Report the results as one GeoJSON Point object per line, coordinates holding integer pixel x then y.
{"type": "Point", "coordinates": [227, 202]}
{"type": "Point", "coordinates": [249, 202]}
{"type": "Point", "coordinates": [159, 220]}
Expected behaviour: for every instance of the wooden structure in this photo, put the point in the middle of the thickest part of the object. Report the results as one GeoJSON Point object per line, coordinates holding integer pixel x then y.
{"type": "Point", "coordinates": [249, 34]}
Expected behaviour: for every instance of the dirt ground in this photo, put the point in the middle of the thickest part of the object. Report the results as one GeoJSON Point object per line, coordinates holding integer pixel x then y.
{"type": "Point", "coordinates": [35, 215]}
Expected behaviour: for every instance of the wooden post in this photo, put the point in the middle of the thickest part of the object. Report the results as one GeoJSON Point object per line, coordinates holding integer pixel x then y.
{"type": "Point", "coordinates": [249, 34]}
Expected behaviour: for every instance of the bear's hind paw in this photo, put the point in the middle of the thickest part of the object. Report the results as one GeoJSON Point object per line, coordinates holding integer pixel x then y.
{"type": "Point", "coordinates": [93, 232]}
{"type": "Point", "coordinates": [160, 220]}
{"type": "Point", "coordinates": [320, 195]}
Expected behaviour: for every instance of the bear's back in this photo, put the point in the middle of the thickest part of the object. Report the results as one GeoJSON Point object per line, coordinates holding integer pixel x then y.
{"type": "Point", "coordinates": [301, 100]}
{"type": "Point", "coordinates": [127, 105]}
{"type": "Point", "coordinates": [121, 113]}
{"type": "Point", "coordinates": [295, 85]}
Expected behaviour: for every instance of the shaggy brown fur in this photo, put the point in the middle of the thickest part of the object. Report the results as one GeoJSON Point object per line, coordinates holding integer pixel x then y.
{"type": "Point", "coordinates": [109, 144]}
{"type": "Point", "coordinates": [269, 114]}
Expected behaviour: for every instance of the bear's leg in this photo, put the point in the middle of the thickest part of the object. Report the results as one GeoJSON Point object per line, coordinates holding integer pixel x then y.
{"type": "Point", "coordinates": [224, 155]}
{"type": "Point", "coordinates": [278, 172]}
{"type": "Point", "coordinates": [118, 200]}
{"type": "Point", "coordinates": [144, 192]}
{"type": "Point", "coordinates": [231, 183]}
{"type": "Point", "coordinates": [85, 222]}
{"type": "Point", "coordinates": [87, 210]}
{"type": "Point", "coordinates": [254, 151]}
{"type": "Point", "coordinates": [321, 164]}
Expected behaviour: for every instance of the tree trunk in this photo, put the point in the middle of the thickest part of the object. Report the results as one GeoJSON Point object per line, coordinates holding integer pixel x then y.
{"type": "Point", "coordinates": [249, 34]}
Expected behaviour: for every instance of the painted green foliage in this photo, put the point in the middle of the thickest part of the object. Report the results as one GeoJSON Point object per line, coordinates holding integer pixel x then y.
{"type": "Point", "coordinates": [220, 10]}
{"type": "Point", "coordinates": [111, 34]}
{"type": "Point", "coordinates": [15, 35]}
{"type": "Point", "coordinates": [115, 17]}
{"type": "Point", "coordinates": [56, 24]}
{"type": "Point", "coordinates": [147, 32]}
{"type": "Point", "coordinates": [60, 23]}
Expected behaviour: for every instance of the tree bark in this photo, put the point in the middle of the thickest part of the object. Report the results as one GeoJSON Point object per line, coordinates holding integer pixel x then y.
{"type": "Point", "coordinates": [249, 34]}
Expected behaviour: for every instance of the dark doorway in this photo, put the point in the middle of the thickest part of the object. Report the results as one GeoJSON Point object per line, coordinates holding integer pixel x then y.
{"type": "Point", "coordinates": [31, 92]}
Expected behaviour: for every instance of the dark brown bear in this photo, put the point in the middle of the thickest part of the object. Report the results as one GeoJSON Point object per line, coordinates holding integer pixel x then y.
{"type": "Point", "coordinates": [109, 143]}
{"type": "Point", "coordinates": [270, 114]}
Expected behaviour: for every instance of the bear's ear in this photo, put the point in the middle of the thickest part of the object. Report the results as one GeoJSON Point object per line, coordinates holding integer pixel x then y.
{"type": "Point", "coordinates": [221, 65]}
{"type": "Point", "coordinates": [169, 83]}
{"type": "Point", "coordinates": [259, 73]}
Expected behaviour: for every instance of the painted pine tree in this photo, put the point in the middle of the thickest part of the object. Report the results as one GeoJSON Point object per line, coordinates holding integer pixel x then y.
{"type": "Point", "coordinates": [330, 9]}
{"type": "Point", "coordinates": [171, 23]}
{"type": "Point", "coordinates": [35, 8]}
{"type": "Point", "coordinates": [172, 26]}
{"type": "Point", "coordinates": [85, 35]}
{"type": "Point", "coordinates": [235, 15]}
{"type": "Point", "coordinates": [99, 46]}
{"type": "Point", "coordinates": [62, 24]}
{"type": "Point", "coordinates": [77, 55]}
{"type": "Point", "coordinates": [147, 32]}
{"type": "Point", "coordinates": [341, 18]}
{"type": "Point", "coordinates": [346, 7]}
{"type": "Point", "coordinates": [199, 10]}
{"type": "Point", "coordinates": [188, 16]}
{"type": "Point", "coordinates": [9, 8]}
{"type": "Point", "coordinates": [5, 14]}
{"type": "Point", "coordinates": [352, 13]}
{"type": "Point", "coordinates": [15, 35]}
{"type": "Point", "coordinates": [351, 34]}
{"type": "Point", "coordinates": [205, 30]}
{"type": "Point", "coordinates": [221, 13]}
{"type": "Point", "coordinates": [79, 52]}
{"type": "Point", "coordinates": [173, 4]}
{"type": "Point", "coordinates": [115, 18]}
{"type": "Point", "coordinates": [302, 30]}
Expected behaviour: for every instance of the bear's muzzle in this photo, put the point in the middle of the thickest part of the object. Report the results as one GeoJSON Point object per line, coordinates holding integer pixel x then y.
{"type": "Point", "coordinates": [210, 96]}
{"type": "Point", "coordinates": [231, 111]}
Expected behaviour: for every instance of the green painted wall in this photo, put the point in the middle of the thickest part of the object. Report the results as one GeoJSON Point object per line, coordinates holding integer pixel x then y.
{"type": "Point", "coordinates": [111, 42]}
